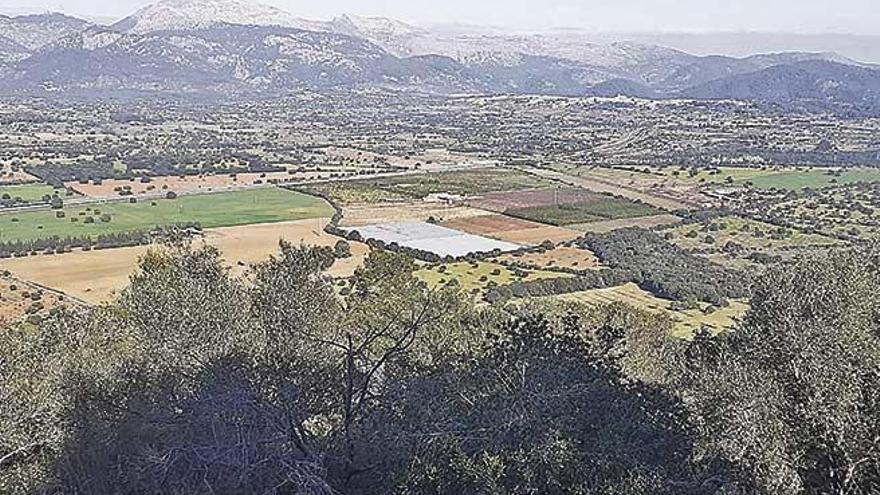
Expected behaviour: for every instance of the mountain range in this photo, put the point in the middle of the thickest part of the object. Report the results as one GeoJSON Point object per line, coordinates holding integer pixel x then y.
{"type": "Point", "coordinates": [229, 47]}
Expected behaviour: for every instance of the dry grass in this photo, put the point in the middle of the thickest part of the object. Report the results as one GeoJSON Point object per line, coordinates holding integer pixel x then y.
{"type": "Point", "coordinates": [8, 176]}
{"type": "Point", "coordinates": [17, 304]}
{"type": "Point", "coordinates": [560, 257]}
{"type": "Point", "coordinates": [533, 237]}
{"type": "Point", "coordinates": [98, 276]}
{"type": "Point", "coordinates": [476, 278]}
{"type": "Point", "coordinates": [187, 184]}
{"type": "Point", "coordinates": [411, 211]}
{"type": "Point", "coordinates": [686, 322]}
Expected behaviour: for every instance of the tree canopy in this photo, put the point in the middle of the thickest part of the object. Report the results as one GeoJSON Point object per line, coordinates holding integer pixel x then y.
{"type": "Point", "coordinates": [197, 381]}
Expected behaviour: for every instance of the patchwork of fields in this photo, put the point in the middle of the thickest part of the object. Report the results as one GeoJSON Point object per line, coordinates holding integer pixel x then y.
{"type": "Point", "coordinates": [420, 186]}
{"type": "Point", "coordinates": [562, 206]}
{"type": "Point", "coordinates": [447, 213]}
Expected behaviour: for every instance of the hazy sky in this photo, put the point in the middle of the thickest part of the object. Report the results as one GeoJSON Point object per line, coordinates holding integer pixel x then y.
{"type": "Point", "coordinates": [802, 16]}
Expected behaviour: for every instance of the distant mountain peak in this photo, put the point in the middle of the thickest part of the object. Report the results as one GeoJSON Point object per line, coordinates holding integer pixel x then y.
{"type": "Point", "coordinates": [49, 17]}
{"type": "Point", "coordinates": [180, 15]}
{"type": "Point", "coordinates": [374, 26]}
{"type": "Point", "coordinates": [36, 31]}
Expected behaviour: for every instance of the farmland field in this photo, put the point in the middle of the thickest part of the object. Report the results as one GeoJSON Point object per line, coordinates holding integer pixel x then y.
{"type": "Point", "coordinates": [749, 234]}
{"type": "Point", "coordinates": [509, 229]}
{"type": "Point", "coordinates": [475, 278]}
{"type": "Point", "coordinates": [503, 201]}
{"type": "Point", "coordinates": [97, 276]}
{"type": "Point", "coordinates": [30, 192]}
{"type": "Point", "coordinates": [214, 210]}
{"type": "Point", "coordinates": [435, 239]}
{"type": "Point", "coordinates": [410, 211]}
{"type": "Point", "coordinates": [559, 257]}
{"type": "Point", "coordinates": [206, 183]}
{"type": "Point", "coordinates": [607, 208]}
{"type": "Point", "coordinates": [9, 176]}
{"type": "Point", "coordinates": [604, 226]}
{"type": "Point", "coordinates": [408, 187]}
{"type": "Point", "coordinates": [789, 178]}
{"type": "Point", "coordinates": [562, 206]}
{"type": "Point", "coordinates": [653, 191]}
{"type": "Point", "coordinates": [688, 322]}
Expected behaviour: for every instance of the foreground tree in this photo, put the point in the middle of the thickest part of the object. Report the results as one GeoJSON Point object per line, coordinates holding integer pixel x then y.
{"type": "Point", "coordinates": [534, 413]}
{"type": "Point", "coordinates": [793, 393]}
{"type": "Point", "coordinates": [283, 382]}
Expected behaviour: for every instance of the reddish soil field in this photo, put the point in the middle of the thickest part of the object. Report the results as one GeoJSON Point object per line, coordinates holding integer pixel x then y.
{"type": "Point", "coordinates": [504, 201]}
{"type": "Point", "coordinates": [509, 229]}
{"type": "Point", "coordinates": [490, 224]}
{"type": "Point", "coordinates": [533, 237]}
{"type": "Point", "coordinates": [188, 184]}
{"type": "Point", "coordinates": [16, 305]}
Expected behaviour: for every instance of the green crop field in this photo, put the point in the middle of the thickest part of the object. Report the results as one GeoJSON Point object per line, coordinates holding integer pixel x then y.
{"type": "Point", "coordinates": [785, 178]}
{"type": "Point", "coordinates": [592, 211]}
{"type": "Point", "coordinates": [210, 210]}
{"type": "Point", "coordinates": [30, 192]}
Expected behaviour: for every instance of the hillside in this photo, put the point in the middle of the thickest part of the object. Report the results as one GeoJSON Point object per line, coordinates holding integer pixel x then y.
{"type": "Point", "coordinates": [209, 47]}
{"type": "Point", "coordinates": [809, 83]}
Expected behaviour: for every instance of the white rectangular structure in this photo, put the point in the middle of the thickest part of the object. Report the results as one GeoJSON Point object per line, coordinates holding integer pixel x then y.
{"type": "Point", "coordinates": [433, 238]}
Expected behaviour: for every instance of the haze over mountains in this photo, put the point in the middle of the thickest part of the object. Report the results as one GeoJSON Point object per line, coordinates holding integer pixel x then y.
{"type": "Point", "coordinates": [230, 47]}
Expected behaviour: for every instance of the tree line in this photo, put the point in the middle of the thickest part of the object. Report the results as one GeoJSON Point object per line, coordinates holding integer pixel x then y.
{"type": "Point", "coordinates": [642, 257]}
{"type": "Point", "coordinates": [59, 245]}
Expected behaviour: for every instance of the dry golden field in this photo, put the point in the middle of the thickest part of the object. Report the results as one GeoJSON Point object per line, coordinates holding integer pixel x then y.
{"type": "Point", "coordinates": [560, 257]}
{"type": "Point", "coordinates": [411, 211]}
{"type": "Point", "coordinates": [687, 322]}
{"type": "Point", "coordinates": [98, 276]}
{"type": "Point", "coordinates": [187, 184]}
